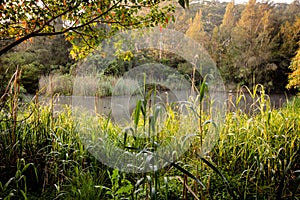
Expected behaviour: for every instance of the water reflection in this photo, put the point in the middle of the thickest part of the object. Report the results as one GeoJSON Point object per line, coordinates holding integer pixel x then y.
{"type": "Point", "coordinates": [123, 106]}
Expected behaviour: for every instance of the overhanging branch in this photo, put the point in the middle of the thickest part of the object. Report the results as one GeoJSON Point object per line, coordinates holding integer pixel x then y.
{"type": "Point", "coordinates": [40, 33]}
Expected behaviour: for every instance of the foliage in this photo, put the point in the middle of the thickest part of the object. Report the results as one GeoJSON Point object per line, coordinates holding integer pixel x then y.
{"type": "Point", "coordinates": [250, 43]}
{"type": "Point", "coordinates": [247, 50]}
{"type": "Point", "coordinates": [17, 185]}
{"type": "Point", "coordinates": [45, 158]}
{"type": "Point", "coordinates": [294, 77]}
{"type": "Point", "coordinates": [196, 29]}
{"type": "Point", "coordinates": [84, 23]}
{"type": "Point", "coordinates": [257, 155]}
{"type": "Point", "coordinates": [56, 84]}
{"type": "Point", "coordinates": [35, 59]}
{"type": "Point", "coordinates": [120, 186]}
{"type": "Point", "coordinates": [258, 150]}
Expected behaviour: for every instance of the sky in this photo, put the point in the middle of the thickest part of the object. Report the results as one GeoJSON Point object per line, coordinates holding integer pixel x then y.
{"type": "Point", "coordinates": [275, 1]}
{"type": "Point", "coordinates": [245, 1]}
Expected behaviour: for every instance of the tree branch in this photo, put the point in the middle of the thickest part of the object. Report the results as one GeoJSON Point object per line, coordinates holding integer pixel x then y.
{"type": "Point", "coordinates": [40, 33]}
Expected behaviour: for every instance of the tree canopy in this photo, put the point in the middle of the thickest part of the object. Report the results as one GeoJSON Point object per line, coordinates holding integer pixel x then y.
{"type": "Point", "coordinates": [250, 43]}
{"type": "Point", "coordinates": [84, 23]}
{"type": "Point", "coordinates": [294, 77]}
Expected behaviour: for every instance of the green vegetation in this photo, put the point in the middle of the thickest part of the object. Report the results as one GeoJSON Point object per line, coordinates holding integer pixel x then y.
{"type": "Point", "coordinates": [251, 43]}
{"type": "Point", "coordinates": [50, 154]}
{"type": "Point", "coordinates": [84, 23]}
{"type": "Point", "coordinates": [261, 49]}
{"type": "Point", "coordinates": [294, 78]}
{"type": "Point", "coordinates": [43, 153]}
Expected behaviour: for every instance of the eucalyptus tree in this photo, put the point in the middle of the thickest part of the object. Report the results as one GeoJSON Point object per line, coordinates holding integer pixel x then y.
{"type": "Point", "coordinates": [253, 44]}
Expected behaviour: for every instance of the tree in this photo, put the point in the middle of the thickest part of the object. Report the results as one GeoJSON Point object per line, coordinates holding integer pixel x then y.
{"type": "Point", "coordinates": [42, 56]}
{"type": "Point", "coordinates": [253, 45]}
{"type": "Point", "coordinates": [196, 29]}
{"type": "Point", "coordinates": [228, 24]}
{"type": "Point", "coordinates": [287, 34]}
{"type": "Point", "coordinates": [224, 58]}
{"type": "Point", "coordinates": [294, 77]}
{"type": "Point", "coordinates": [84, 23]}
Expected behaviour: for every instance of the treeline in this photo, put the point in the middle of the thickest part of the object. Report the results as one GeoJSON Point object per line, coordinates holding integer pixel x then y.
{"type": "Point", "coordinates": [250, 43]}
{"type": "Point", "coordinates": [36, 58]}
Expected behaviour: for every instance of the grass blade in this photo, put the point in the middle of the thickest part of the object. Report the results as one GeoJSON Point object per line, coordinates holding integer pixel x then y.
{"type": "Point", "coordinates": [221, 175]}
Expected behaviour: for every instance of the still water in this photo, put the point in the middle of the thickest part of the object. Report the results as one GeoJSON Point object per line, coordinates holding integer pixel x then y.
{"type": "Point", "coordinates": [123, 106]}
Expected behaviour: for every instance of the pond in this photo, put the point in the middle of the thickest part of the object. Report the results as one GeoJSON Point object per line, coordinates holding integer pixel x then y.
{"type": "Point", "coordinates": [123, 106]}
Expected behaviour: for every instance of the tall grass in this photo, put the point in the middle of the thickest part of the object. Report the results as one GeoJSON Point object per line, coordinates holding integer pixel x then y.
{"type": "Point", "coordinates": [43, 154]}
{"type": "Point", "coordinates": [259, 152]}
{"type": "Point", "coordinates": [99, 85]}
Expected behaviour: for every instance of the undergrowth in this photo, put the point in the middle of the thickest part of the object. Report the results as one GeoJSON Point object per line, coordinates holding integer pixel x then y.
{"type": "Point", "coordinates": [43, 156]}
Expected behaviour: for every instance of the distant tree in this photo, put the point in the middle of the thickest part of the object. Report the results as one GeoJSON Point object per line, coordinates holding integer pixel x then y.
{"type": "Point", "coordinates": [228, 21]}
{"type": "Point", "coordinates": [41, 56]}
{"type": "Point", "coordinates": [212, 15]}
{"type": "Point", "coordinates": [289, 12]}
{"type": "Point", "coordinates": [286, 38]}
{"type": "Point", "coordinates": [224, 58]}
{"type": "Point", "coordinates": [24, 61]}
{"type": "Point", "coordinates": [196, 29]}
{"type": "Point", "coordinates": [294, 77]}
{"type": "Point", "coordinates": [214, 44]}
{"type": "Point", "coordinates": [253, 45]}
{"type": "Point", "coordinates": [53, 53]}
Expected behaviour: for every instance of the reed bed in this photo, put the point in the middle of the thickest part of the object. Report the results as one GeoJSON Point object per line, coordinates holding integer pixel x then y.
{"type": "Point", "coordinates": [43, 154]}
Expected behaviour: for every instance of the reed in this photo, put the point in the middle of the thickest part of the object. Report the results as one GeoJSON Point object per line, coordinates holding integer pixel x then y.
{"type": "Point", "coordinates": [43, 154]}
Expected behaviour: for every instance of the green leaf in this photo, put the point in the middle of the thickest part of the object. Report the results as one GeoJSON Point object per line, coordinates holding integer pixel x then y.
{"type": "Point", "coordinates": [8, 182]}
{"type": "Point", "coordinates": [228, 187]}
{"type": "Point", "coordinates": [202, 89]}
{"type": "Point", "coordinates": [137, 113]}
